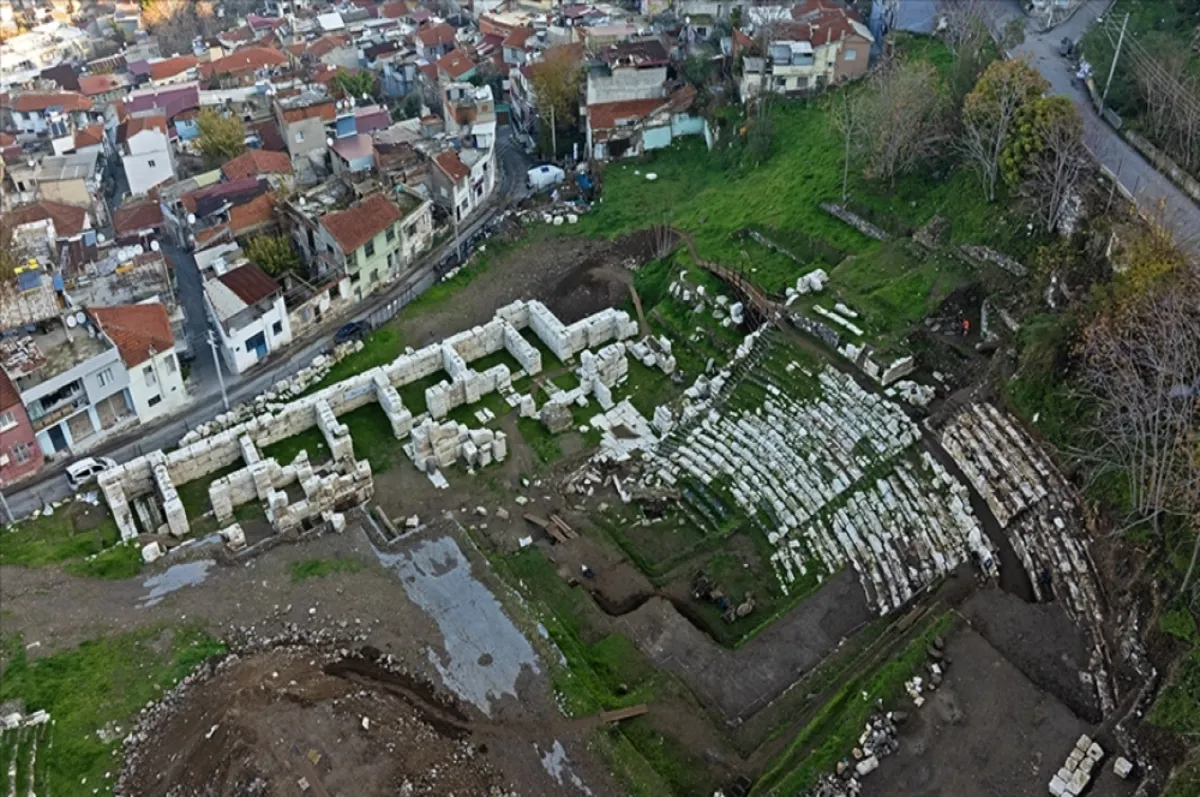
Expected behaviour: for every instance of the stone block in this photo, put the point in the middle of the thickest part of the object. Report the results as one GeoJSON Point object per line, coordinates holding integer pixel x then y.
{"type": "Point", "coordinates": [151, 552]}
{"type": "Point", "coordinates": [1122, 767]}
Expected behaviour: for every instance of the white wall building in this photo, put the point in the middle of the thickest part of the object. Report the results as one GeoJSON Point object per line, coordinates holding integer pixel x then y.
{"type": "Point", "coordinates": [247, 308]}
{"type": "Point", "coordinates": [146, 151]}
{"type": "Point", "coordinates": [142, 334]}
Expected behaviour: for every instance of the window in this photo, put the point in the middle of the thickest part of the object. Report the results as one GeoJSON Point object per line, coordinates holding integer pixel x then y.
{"type": "Point", "coordinates": [277, 328]}
{"type": "Point", "coordinates": [369, 251]}
{"type": "Point", "coordinates": [299, 136]}
{"type": "Point", "coordinates": [354, 278]}
{"type": "Point", "coordinates": [149, 375]}
{"type": "Point", "coordinates": [150, 163]}
{"type": "Point", "coordinates": [21, 452]}
{"type": "Point", "coordinates": [851, 55]}
{"type": "Point", "coordinates": [411, 230]}
{"type": "Point", "coordinates": [154, 400]}
{"type": "Point", "coordinates": [780, 82]}
{"type": "Point", "coordinates": [172, 366]}
{"type": "Point", "coordinates": [105, 377]}
{"type": "Point", "coordinates": [391, 234]}
{"type": "Point", "coordinates": [7, 420]}
{"type": "Point", "coordinates": [374, 276]}
{"type": "Point", "coordinates": [352, 259]}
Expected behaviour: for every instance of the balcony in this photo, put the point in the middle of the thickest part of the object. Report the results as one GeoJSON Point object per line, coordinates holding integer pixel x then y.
{"type": "Point", "coordinates": [63, 402]}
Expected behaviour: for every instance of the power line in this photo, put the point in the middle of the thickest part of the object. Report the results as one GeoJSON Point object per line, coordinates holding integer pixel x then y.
{"type": "Point", "coordinates": [1147, 61]}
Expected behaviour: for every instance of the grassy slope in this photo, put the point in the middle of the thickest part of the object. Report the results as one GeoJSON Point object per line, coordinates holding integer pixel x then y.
{"type": "Point", "coordinates": [45, 541]}
{"type": "Point", "coordinates": [101, 682]}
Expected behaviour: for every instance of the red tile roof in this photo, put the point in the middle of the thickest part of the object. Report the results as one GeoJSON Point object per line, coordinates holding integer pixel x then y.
{"type": "Point", "coordinates": [89, 136]}
{"type": "Point", "coordinates": [455, 63]}
{"type": "Point", "coordinates": [604, 116]}
{"type": "Point", "coordinates": [449, 162]}
{"type": "Point", "coordinates": [246, 59]}
{"type": "Point", "coordinates": [268, 131]}
{"type": "Point", "coordinates": [40, 101]}
{"type": "Point", "coordinates": [139, 331]}
{"type": "Point", "coordinates": [518, 37]}
{"type": "Point", "coordinates": [433, 35]}
{"type": "Point", "coordinates": [394, 10]}
{"type": "Point", "coordinates": [137, 124]}
{"type": "Point", "coordinates": [327, 44]}
{"type": "Point", "coordinates": [129, 219]}
{"type": "Point", "coordinates": [68, 220]}
{"type": "Point", "coordinates": [9, 397]}
{"type": "Point", "coordinates": [353, 227]}
{"type": "Point", "coordinates": [92, 85]}
{"type": "Point", "coordinates": [161, 70]}
{"type": "Point", "coordinates": [251, 215]}
{"type": "Point", "coordinates": [249, 283]}
{"type": "Point", "coordinates": [254, 162]}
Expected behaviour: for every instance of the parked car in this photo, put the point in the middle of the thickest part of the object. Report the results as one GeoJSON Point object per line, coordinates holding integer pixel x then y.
{"type": "Point", "coordinates": [87, 469]}
{"type": "Point", "coordinates": [355, 330]}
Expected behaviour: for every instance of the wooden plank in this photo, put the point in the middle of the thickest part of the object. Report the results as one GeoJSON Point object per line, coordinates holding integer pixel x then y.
{"type": "Point", "coordinates": [562, 525]}
{"type": "Point", "coordinates": [624, 713]}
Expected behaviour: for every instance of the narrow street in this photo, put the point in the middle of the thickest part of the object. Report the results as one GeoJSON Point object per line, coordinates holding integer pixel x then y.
{"type": "Point", "coordinates": [205, 403]}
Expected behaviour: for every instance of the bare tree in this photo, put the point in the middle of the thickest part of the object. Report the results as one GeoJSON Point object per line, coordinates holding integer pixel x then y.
{"type": "Point", "coordinates": [965, 24]}
{"type": "Point", "coordinates": [1141, 373]}
{"type": "Point", "coordinates": [1055, 173]}
{"type": "Point", "coordinates": [990, 112]}
{"type": "Point", "coordinates": [1170, 95]}
{"type": "Point", "coordinates": [900, 119]}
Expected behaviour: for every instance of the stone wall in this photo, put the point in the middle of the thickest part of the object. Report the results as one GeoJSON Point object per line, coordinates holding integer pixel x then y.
{"type": "Point", "coordinates": [157, 473]}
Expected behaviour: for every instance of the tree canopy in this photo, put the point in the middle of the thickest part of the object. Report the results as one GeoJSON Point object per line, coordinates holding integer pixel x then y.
{"type": "Point", "coordinates": [221, 137]}
{"type": "Point", "coordinates": [274, 254]}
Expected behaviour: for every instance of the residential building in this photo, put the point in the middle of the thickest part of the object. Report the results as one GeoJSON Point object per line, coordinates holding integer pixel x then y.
{"type": "Point", "coordinates": [74, 179]}
{"type": "Point", "coordinates": [66, 230]}
{"type": "Point", "coordinates": [143, 337]}
{"type": "Point", "coordinates": [20, 454]}
{"type": "Point", "coordinates": [516, 46]}
{"type": "Point", "coordinates": [302, 120]}
{"type": "Point", "coordinates": [178, 102]}
{"type": "Point", "coordinates": [456, 65]}
{"type": "Point", "coordinates": [434, 41]}
{"type": "Point", "coordinates": [464, 104]}
{"type": "Point", "coordinates": [361, 245]}
{"type": "Point", "coordinates": [247, 308]}
{"type": "Point", "coordinates": [820, 42]}
{"type": "Point", "coordinates": [146, 155]}
{"type": "Point", "coordinates": [137, 222]}
{"type": "Point", "coordinates": [170, 71]}
{"type": "Point", "coordinates": [103, 88]}
{"type": "Point", "coordinates": [633, 127]}
{"type": "Point", "coordinates": [71, 381]}
{"type": "Point", "coordinates": [243, 67]}
{"type": "Point", "coordinates": [122, 276]}
{"type": "Point", "coordinates": [201, 207]}
{"type": "Point", "coordinates": [335, 50]}
{"type": "Point", "coordinates": [276, 167]}
{"type": "Point", "coordinates": [53, 114]}
{"type": "Point", "coordinates": [353, 154]}
{"type": "Point", "coordinates": [462, 180]}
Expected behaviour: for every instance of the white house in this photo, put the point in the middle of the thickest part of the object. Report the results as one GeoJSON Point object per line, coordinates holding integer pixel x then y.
{"type": "Point", "coordinates": [145, 144]}
{"type": "Point", "coordinates": [142, 334]}
{"type": "Point", "coordinates": [247, 308]}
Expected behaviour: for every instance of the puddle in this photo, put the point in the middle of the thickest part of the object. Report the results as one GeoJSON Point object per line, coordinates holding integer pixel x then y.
{"type": "Point", "coordinates": [556, 763]}
{"type": "Point", "coordinates": [484, 651]}
{"type": "Point", "coordinates": [175, 577]}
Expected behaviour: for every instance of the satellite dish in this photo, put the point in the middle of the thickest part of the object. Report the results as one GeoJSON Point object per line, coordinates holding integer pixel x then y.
{"type": "Point", "coordinates": [154, 247]}
{"type": "Point", "coordinates": [366, 96]}
{"type": "Point", "coordinates": [329, 142]}
{"type": "Point", "coordinates": [100, 238]}
{"type": "Point", "coordinates": [191, 218]}
{"type": "Point", "coordinates": [80, 318]}
{"type": "Point", "coordinates": [302, 201]}
{"type": "Point", "coordinates": [139, 250]}
{"type": "Point", "coordinates": [71, 322]}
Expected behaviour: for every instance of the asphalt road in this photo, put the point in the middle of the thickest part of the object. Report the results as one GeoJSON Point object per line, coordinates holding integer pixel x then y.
{"type": "Point", "coordinates": [1150, 188]}
{"type": "Point", "coordinates": [205, 404]}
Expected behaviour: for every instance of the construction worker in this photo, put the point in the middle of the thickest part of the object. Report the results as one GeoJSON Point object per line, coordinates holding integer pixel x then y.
{"type": "Point", "coordinates": [966, 327]}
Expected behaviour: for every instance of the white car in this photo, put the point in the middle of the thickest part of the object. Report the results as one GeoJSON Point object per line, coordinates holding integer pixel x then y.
{"type": "Point", "coordinates": [87, 469]}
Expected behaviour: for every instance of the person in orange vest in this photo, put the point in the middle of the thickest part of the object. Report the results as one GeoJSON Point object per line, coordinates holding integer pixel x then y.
{"type": "Point", "coordinates": [966, 327]}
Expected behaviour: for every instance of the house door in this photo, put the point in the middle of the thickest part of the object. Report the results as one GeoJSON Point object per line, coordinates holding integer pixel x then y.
{"type": "Point", "coordinates": [57, 438]}
{"type": "Point", "coordinates": [258, 345]}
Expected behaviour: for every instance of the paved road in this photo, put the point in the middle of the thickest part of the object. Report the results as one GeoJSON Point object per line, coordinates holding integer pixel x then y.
{"type": "Point", "coordinates": [1149, 187]}
{"type": "Point", "coordinates": [205, 403]}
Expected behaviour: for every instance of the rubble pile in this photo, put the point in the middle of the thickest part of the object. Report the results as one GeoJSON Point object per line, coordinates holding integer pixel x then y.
{"type": "Point", "coordinates": [800, 469]}
{"type": "Point", "coordinates": [440, 445]}
{"type": "Point", "coordinates": [1041, 514]}
{"type": "Point", "coordinates": [1073, 777]}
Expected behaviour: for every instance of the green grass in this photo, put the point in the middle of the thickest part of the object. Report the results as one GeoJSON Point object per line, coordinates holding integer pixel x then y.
{"type": "Point", "coordinates": [194, 496]}
{"type": "Point", "coordinates": [115, 563]}
{"type": "Point", "coordinates": [1178, 705]}
{"type": "Point", "coordinates": [369, 428]}
{"type": "Point", "coordinates": [379, 348]}
{"type": "Point", "coordinates": [631, 769]}
{"type": "Point", "coordinates": [102, 681]}
{"type": "Point", "coordinates": [539, 439]}
{"type": "Point", "coordinates": [835, 728]}
{"type": "Point", "coordinates": [305, 569]}
{"type": "Point", "coordinates": [1186, 783]}
{"type": "Point", "coordinates": [286, 450]}
{"type": "Point", "coordinates": [45, 541]}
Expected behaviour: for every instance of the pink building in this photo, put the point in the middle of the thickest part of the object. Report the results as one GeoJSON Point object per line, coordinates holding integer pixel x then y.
{"type": "Point", "coordinates": [20, 454]}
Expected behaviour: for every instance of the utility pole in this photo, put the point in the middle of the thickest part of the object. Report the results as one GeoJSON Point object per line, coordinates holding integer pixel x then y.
{"type": "Point", "coordinates": [212, 344]}
{"type": "Point", "coordinates": [1113, 66]}
{"type": "Point", "coordinates": [553, 135]}
{"type": "Point", "coordinates": [7, 512]}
